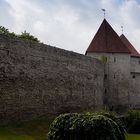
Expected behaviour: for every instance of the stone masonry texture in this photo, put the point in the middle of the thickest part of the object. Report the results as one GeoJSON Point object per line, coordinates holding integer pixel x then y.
{"type": "Point", "coordinates": [38, 80]}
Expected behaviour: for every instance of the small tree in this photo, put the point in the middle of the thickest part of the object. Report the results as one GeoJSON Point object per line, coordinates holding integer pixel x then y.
{"type": "Point", "coordinates": [28, 36]}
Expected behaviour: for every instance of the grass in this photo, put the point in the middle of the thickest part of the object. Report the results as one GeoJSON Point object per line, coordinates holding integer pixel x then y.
{"type": "Point", "coordinates": [133, 136]}
{"type": "Point", "coordinates": [34, 130]}
{"type": "Point", "coordinates": [28, 130]}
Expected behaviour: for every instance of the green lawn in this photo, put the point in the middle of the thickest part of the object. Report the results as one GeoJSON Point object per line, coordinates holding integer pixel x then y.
{"type": "Point", "coordinates": [133, 137]}
{"type": "Point", "coordinates": [30, 130]}
{"type": "Point", "coordinates": [33, 130]}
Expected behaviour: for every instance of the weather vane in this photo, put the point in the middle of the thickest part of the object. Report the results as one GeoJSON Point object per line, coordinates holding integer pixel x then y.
{"type": "Point", "coordinates": [122, 28]}
{"type": "Point", "coordinates": [104, 10]}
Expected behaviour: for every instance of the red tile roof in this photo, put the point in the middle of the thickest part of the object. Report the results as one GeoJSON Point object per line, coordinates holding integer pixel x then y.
{"type": "Point", "coordinates": [133, 51]}
{"type": "Point", "coordinates": [106, 40]}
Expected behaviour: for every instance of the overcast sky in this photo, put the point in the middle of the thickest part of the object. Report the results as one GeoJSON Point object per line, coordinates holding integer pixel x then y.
{"type": "Point", "coordinates": [70, 24]}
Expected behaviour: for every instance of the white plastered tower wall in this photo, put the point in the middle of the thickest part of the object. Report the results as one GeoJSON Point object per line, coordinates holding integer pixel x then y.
{"type": "Point", "coordinates": [134, 74]}
{"type": "Point", "coordinates": [116, 79]}
{"type": "Point", "coordinates": [135, 82]}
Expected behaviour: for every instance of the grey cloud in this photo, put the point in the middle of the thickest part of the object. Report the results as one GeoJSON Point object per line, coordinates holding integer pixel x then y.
{"type": "Point", "coordinates": [6, 19]}
{"type": "Point", "coordinates": [70, 24]}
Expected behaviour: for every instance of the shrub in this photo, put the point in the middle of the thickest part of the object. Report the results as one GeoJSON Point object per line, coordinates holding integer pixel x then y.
{"type": "Point", "coordinates": [24, 35]}
{"type": "Point", "coordinates": [84, 127]}
{"type": "Point", "coordinates": [132, 121]}
{"type": "Point", "coordinates": [27, 36]}
{"type": "Point", "coordinates": [112, 116]}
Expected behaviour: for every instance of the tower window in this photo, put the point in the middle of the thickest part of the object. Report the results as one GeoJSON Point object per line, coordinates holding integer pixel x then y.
{"type": "Point", "coordinates": [133, 76]}
{"type": "Point", "coordinates": [105, 76]}
{"type": "Point", "coordinates": [114, 59]}
{"type": "Point", "coordinates": [114, 76]}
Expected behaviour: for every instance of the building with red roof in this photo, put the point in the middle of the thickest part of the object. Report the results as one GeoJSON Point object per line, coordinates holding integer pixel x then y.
{"type": "Point", "coordinates": [121, 67]}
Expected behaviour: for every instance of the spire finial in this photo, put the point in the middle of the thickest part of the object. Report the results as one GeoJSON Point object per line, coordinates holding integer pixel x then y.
{"type": "Point", "coordinates": [104, 11]}
{"type": "Point", "coordinates": [122, 28]}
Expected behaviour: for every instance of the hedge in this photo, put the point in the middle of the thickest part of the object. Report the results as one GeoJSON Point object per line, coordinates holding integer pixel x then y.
{"type": "Point", "coordinates": [84, 127]}
{"type": "Point", "coordinates": [132, 121]}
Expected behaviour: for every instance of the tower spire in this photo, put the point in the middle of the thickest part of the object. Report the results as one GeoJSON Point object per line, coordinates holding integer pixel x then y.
{"type": "Point", "coordinates": [104, 12]}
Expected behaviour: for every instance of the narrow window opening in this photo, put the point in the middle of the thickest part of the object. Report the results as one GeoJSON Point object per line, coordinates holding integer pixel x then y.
{"type": "Point", "coordinates": [133, 76]}
{"type": "Point", "coordinates": [105, 97]}
{"type": "Point", "coordinates": [114, 59]}
{"type": "Point", "coordinates": [114, 76]}
{"type": "Point", "coordinates": [105, 76]}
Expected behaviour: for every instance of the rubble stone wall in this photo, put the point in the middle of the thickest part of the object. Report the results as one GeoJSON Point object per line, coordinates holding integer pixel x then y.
{"type": "Point", "coordinates": [38, 80]}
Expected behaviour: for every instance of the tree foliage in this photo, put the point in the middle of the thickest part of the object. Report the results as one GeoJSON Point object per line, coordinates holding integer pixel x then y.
{"type": "Point", "coordinates": [24, 35]}
{"type": "Point", "coordinates": [84, 127]}
{"type": "Point", "coordinates": [103, 58]}
{"type": "Point", "coordinates": [27, 36]}
{"type": "Point", "coordinates": [3, 30]}
{"type": "Point", "coordinates": [132, 121]}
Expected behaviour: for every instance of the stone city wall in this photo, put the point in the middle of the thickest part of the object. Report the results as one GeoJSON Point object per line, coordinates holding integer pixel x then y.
{"type": "Point", "coordinates": [38, 80]}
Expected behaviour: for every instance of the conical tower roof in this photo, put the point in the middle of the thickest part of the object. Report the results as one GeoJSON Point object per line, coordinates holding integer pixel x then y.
{"type": "Point", "coordinates": [106, 40]}
{"type": "Point", "coordinates": [131, 48]}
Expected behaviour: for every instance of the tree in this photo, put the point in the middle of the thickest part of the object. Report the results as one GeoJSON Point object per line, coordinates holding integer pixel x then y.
{"type": "Point", "coordinates": [3, 30]}
{"type": "Point", "coordinates": [27, 36]}
{"type": "Point", "coordinates": [24, 35]}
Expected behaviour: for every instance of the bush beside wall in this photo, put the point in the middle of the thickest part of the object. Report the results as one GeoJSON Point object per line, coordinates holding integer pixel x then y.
{"type": "Point", "coordinates": [132, 121]}
{"type": "Point", "coordinates": [84, 126]}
